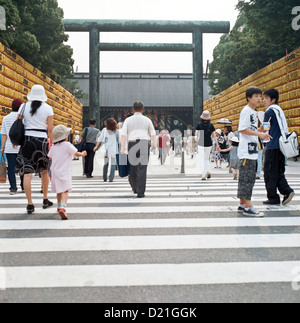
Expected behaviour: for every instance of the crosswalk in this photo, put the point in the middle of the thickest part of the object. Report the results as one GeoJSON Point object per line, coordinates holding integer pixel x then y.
{"type": "Point", "coordinates": [184, 242]}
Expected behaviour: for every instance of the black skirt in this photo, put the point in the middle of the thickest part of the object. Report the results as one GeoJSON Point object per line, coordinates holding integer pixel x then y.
{"type": "Point", "coordinates": [33, 156]}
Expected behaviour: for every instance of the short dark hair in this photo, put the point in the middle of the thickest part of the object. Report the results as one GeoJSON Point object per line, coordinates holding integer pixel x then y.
{"type": "Point", "coordinates": [138, 106]}
{"type": "Point", "coordinates": [251, 91]}
{"type": "Point", "coordinates": [229, 128]}
{"type": "Point", "coordinates": [92, 122]}
{"type": "Point", "coordinates": [15, 109]}
{"type": "Point", "coordinates": [273, 94]}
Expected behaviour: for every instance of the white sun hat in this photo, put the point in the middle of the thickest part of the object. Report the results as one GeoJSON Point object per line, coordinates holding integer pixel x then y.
{"type": "Point", "coordinates": [60, 133]}
{"type": "Point", "coordinates": [235, 139]}
{"type": "Point", "coordinates": [37, 93]}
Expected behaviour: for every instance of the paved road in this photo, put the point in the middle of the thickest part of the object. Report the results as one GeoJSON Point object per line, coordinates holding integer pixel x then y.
{"type": "Point", "coordinates": [183, 243]}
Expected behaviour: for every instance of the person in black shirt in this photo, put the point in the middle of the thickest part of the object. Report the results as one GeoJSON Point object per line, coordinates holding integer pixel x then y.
{"type": "Point", "coordinates": [90, 135]}
{"type": "Point", "coordinates": [205, 130]}
{"type": "Point", "coordinates": [274, 170]}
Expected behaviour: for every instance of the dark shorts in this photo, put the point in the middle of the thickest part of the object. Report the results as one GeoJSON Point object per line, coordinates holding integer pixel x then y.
{"type": "Point", "coordinates": [247, 178]}
{"type": "Point", "coordinates": [33, 156]}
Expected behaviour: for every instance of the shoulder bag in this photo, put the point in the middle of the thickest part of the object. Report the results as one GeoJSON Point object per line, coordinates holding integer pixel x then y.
{"type": "Point", "coordinates": [288, 143]}
{"type": "Point", "coordinates": [123, 165]}
{"type": "Point", "coordinates": [3, 171]}
{"type": "Point", "coordinates": [17, 130]}
{"type": "Point", "coordinates": [82, 145]}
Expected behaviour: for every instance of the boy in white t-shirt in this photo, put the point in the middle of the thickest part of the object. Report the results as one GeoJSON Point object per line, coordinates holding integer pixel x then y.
{"type": "Point", "coordinates": [248, 151]}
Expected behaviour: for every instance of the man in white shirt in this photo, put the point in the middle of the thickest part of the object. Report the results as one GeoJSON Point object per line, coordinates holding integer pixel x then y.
{"type": "Point", "coordinates": [248, 151]}
{"type": "Point", "coordinates": [7, 147]}
{"type": "Point", "coordinates": [139, 131]}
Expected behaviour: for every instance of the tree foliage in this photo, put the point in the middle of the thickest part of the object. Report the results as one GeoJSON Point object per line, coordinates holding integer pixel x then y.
{"type": "Point", "coordinates": [263, 33]}
{"type": "Point", "coordinates": [35, 31]}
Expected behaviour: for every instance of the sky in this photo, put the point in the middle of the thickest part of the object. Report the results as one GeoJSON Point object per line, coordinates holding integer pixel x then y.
{"type": "Point", "coordinates": [145, 62]}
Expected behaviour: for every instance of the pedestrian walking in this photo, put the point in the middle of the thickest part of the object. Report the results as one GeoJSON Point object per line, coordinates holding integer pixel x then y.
{"type": "Point", "coordinates": [248, 151]}
{"type": "Point", "coordinates": [204, 132]}
{"type": "Point", "coordinates": [139, 131]}
{"type": "Point", "coordinates": [191, 146]}
{"type": "Point", "coordinates": [178, 144]}
{"type": "Point", "coordinates": [76, 142]}
{"type": "Point", "coordinates": [163, 145]}
{"type": "Point", "coordinates": [110, 137]}
{"type": "Point", "coordinates": [234, 158]}
{"type": "Point", "coordinates": [38, 122]}
{"type": "Point", "coordinates": [274, 168]}
{"type": "Point", "coordinates": [89, 135]}
{"type": "Point", "coordinates": [62, 153]}
{"type": "Point", "coordinates": [228, 135]}
{"type": "Point", "coordinates": [221, 143]}
{"type": "Point", "coordinates": [7, 147]}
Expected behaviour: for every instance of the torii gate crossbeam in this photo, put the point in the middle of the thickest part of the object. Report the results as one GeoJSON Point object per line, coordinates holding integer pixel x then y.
{"type": "Point", "coordinates": [197, 28]}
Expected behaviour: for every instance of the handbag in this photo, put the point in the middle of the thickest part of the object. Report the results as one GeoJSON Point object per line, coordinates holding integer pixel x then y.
{"type": "Point", "coordinates": [17, 130]}
{"type": "Point", "coordinates": [123, 165]}
{"type": "Point", "coordinates": [3, 170]}
{"type": "Point", "coordinates": [82, 145]}
{"type": "Point", "coordinates": [288, 143]}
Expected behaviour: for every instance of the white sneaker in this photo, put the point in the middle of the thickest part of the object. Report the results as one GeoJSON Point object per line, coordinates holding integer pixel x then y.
{"type": "Point", "coordinates": [253, 213]}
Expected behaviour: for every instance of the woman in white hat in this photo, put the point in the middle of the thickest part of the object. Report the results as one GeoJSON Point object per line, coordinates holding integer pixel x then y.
{"type": "Point", "coordinates": [38, 121]}
{"type": "Point", "coordinates": [204, 132]}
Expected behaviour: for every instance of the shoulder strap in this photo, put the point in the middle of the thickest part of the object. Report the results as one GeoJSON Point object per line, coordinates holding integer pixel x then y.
{"type": "Point", "coordinates": [22, 112]}
{"type": "Point", "coordinates": [117, 134]}
{"type": "Point", "coordinates": [280, 123]}
{"type": "Point", "coordinates": [85, 133]}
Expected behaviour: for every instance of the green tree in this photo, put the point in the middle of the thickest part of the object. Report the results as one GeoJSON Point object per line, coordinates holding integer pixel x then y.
{"type": "Point", "coordinates": [262, 33]}
{"type": "Point", "coordinates": [273, 19]}
{"type": "Point", "coordinates": [35, 31]}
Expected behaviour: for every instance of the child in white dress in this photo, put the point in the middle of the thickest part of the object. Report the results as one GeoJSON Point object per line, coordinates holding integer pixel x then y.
{"type": "Point", "coordinates": [62, 153]}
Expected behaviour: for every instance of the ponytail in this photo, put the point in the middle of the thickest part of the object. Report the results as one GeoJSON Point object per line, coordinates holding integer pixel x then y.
{"type": "Point", "coordinates": [35, 105]}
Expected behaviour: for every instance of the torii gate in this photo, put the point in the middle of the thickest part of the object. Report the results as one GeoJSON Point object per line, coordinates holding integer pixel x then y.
{"type": "Point", "coordinates": [197, 28]}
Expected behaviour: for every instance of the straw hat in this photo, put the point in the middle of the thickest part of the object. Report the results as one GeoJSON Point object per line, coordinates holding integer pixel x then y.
{"type": "Point", "coordinates": [205, 115]}
{"type": "Point", "coordinates": [60, 133]}
{"type": "Point", "coordinates": [37, 93]}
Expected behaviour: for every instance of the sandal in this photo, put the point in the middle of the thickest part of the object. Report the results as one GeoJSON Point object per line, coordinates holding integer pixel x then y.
{"type": "Point", "coordinates": [30, 209]}
{"type": "Point", "coordinates": [47, 203]}
{"type": "Point", "coordinates": [63, 214]}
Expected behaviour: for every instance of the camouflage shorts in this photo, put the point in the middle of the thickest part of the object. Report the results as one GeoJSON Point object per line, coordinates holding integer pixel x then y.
{"type": "Point", "coordinates": [247, 178]}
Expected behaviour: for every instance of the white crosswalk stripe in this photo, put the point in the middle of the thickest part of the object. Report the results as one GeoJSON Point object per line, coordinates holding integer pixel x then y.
{"type": "Point", "coordinates": [184, 233]}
